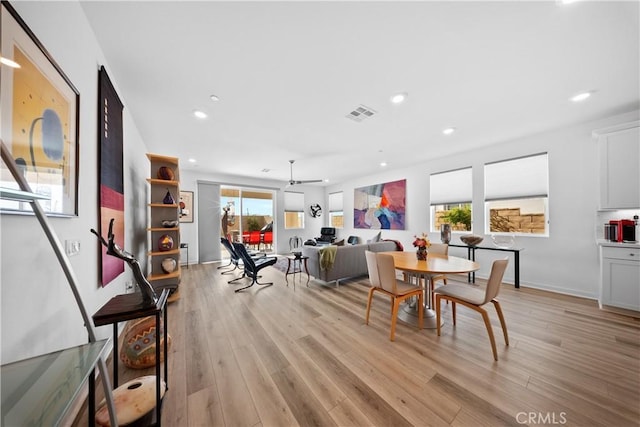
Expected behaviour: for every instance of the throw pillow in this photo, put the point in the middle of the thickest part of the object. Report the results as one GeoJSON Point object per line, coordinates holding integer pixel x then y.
{"type": "Point", "coordinates": [376, 238]}
{"type": "Point", "coordinates": [339, 243]}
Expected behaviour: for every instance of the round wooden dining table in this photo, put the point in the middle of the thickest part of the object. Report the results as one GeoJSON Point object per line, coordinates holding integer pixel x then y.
{"type": "Point", "coordinates": [435, 264]}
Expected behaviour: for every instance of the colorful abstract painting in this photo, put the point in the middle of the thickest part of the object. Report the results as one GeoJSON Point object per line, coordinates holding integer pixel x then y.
{"type": "Point", "coordinates": [111, 174]}
{"type": "Point", "coordinates": [380, 206]}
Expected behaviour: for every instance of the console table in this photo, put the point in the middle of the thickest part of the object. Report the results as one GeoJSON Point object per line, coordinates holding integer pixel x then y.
{"type": "Point", "coordinates": [40, 390]}
{"type": "Point", "coordinates": [129, 307]}
{"type": "Point", "coordinates": [471, 254]}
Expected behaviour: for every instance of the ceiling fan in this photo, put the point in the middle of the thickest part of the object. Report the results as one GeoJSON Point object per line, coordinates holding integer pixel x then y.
{"type": "Point", "coordinates": [294, 182]}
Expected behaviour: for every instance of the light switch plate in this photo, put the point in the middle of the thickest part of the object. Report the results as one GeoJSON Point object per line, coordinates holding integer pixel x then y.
{"type": "Point", "coordinates": [72, 247]}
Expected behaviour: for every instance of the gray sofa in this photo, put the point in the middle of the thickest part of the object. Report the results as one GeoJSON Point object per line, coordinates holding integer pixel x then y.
{"type": "Point", "coordinates": [349, 260]}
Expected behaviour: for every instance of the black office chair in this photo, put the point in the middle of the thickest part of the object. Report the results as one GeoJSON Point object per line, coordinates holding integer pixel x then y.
{"type": "Point", "coordinates": [327, 235]}
{"type": "Point", "coordinates": [252, 265]}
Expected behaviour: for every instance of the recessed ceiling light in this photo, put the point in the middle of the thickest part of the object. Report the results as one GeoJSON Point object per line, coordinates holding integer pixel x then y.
{"type": "Point", "coordinates": [566, 1]}
{"type": "Point", "coordinates": [326, 180]}
{"type": "Point", "coordinates": [192, 160]}
{"type": "Point", "coordinates": [399, 98]}
{"type": "Point", "coordinates": [449, 131]}
{"type": "Point", "coordinates": [214, 98]}
{"type": "Point", "coordinates": [383, 164]}
{"type": "Point", "coordinates": [200, 114]}
{"type": "Point", "coordinates": [580, 96]}
{"type": "Point", "coordinates": [8, 62]}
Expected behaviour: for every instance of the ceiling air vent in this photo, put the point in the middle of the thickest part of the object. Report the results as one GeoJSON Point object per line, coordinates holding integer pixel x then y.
{"type": "Point", "coordinates": [360, 113]}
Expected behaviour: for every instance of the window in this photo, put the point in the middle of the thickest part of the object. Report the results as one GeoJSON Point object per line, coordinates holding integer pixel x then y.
{"type": "Point", "coordinates": [516, 195]}
{"type": "Point", "coordinates": [336, 212]}
{"type": "Point", "coordinates": [293, 210]}
{"type": "Point", "coordinates": [451, 199]}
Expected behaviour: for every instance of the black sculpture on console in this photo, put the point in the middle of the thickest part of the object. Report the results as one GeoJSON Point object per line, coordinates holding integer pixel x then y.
{"type": "Point", "coordinates": [149, 296]}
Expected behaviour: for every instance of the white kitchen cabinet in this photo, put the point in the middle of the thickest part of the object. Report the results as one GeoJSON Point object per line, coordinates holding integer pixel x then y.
{"type": "Point", "coordinates": [619, 156]}
{"type": "Point", "coordinates": [620, 277]}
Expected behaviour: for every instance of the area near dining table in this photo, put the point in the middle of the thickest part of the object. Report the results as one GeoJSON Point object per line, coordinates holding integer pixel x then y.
{"type": "Point", "coordinates": [407, 262]}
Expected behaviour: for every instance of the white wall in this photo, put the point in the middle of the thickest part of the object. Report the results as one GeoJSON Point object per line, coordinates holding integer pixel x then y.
{"type": "Point", "coordinates": [38, 311]}
{"type": "Point", "coordinates": [567, 260]}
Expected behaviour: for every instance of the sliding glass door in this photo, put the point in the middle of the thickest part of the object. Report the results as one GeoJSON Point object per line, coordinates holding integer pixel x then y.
{"type": "Point", "coordinates": [247, 216]}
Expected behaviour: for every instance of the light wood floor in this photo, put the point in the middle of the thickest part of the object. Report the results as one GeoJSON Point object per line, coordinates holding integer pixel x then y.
{"type": "Point", "coordinates": [286, 356]}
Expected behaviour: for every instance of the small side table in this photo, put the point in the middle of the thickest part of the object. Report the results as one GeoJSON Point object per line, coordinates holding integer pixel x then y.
{"type": "Point", "coordinates": [185, 246]}
{"type": "Point", "coordinates": [128, 307]}
{"type": "Point", "coordinates": [298, 263]}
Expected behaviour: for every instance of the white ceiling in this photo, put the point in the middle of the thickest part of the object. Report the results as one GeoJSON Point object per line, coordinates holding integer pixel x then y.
{"type": "Point", "coordinates": [287, 74]}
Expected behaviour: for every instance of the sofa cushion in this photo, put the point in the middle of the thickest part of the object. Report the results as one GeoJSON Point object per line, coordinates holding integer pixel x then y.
{"type": "Point", "coordinates": [375, 238]}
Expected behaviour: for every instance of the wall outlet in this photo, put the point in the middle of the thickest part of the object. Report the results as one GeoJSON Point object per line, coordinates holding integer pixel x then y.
{"type": "Point", "coordinates": [72, 247]}
{"type": "Point", "coordinates": [129, 287]}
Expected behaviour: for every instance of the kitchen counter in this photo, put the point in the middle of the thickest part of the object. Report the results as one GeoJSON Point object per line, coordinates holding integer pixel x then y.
{"type": "Point", "coordinates": [603, 242]}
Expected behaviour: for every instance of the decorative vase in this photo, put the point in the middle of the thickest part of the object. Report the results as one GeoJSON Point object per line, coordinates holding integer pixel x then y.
{"type": "Point", "coordinates": [165, 243]}
{"type": "Point", "coordinates": [421, 253]}
{"type": "Point", "coordinates": [445, 233]}
{"type": "Point", "coordinates": [166, 173]}
{"type": "Point", "coordinates": [168, 265]}
{"type": "Point", "coordinates": [168, 198]}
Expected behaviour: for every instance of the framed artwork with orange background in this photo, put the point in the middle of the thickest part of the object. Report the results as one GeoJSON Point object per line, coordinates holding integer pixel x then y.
{"type": "Point", "coordinates": [39, 117]}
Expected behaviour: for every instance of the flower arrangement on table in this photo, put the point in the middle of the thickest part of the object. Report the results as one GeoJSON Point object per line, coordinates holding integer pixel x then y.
{"type": "Point", "coordinates": [422, 243]}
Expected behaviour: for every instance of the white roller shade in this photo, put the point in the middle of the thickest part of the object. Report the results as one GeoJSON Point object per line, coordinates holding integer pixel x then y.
{"type": "Point", "coordinates": [293, 202]}
{"type": "Point", "coordinates": [451, 187]}
{"type": "Point", "coordinates": [335, 202]}
{"type": "Point", "coordinates": [517, 178]}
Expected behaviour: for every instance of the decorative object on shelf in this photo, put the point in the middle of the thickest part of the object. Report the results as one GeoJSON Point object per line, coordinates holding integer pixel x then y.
{"type": "Point", "coordinates": [186, 206]}
{"type": "Point", "coordinates": [315, 210]}
{"type": "Point", "coordinates": [165, 243]}
{"type": "Point", "coordinates": [40, 118]}
{"type": "Point", "coordinates": [168, 265]}
{"type": "Point", "coordinates": [168, 198]}
{"type": "Point", "coordinates": [445, 233]}
{"type": "Point", "coordinates": [166, 173]}
{"type": "Point", "coordinates": [503, 241]}
{"type": "Point", "coordinates": [134, 402]}
{"type": "Point", "coordinates": [471, 239]}
{"type": "Point", "coordinates": [422, 243]}
{"type": "Point", "coordinates": [139, 345]}
{"type": "Point", "coordinates": [169, 223]}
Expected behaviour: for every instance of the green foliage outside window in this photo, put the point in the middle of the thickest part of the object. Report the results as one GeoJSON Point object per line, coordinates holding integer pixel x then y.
{"type": "Point", "coordinates": [459, 215]}
{"type": "Point", "coordinates": [253, 224]}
